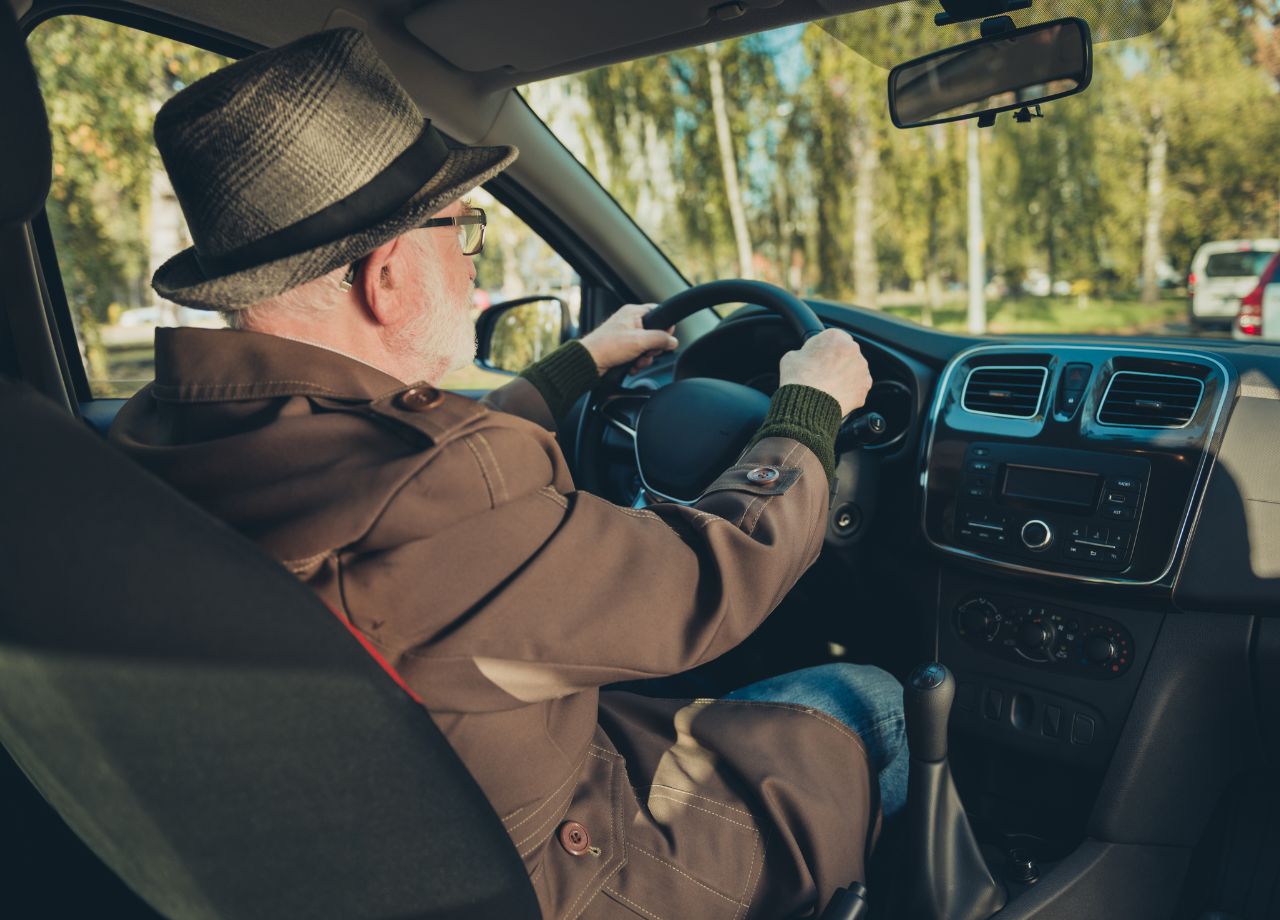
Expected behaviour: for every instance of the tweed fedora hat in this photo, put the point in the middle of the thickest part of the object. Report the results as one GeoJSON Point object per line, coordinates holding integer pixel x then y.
{"type": "Point", "coordinates": [298, 160]}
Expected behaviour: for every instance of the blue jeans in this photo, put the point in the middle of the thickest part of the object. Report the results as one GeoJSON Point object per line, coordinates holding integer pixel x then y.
{"type": "Point", "coordinates": [863, 697]}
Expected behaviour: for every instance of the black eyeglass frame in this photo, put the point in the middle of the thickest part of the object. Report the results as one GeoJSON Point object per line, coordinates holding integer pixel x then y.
{"type": "Point", "coordinates": [472, 217]}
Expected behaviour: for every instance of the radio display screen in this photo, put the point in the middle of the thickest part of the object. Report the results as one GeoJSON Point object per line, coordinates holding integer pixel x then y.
{"type": "Point", "coordinates": [1040, 484]}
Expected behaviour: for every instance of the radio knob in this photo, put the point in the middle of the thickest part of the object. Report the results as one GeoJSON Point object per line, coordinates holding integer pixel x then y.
{"type": "Point", "coordinates": [1035, 637]}
{"type": "Point", "coordinates": [1099, 649]}
{"type": "Point", "coordinates": [1037, 535]}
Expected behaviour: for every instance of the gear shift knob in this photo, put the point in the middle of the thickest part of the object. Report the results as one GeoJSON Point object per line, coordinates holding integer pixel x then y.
{"type": "Point", "coordinates": [930, 691]}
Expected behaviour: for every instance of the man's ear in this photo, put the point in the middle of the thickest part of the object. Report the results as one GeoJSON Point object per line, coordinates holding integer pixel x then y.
{"type": "Point", "coordinates": [381, 282]}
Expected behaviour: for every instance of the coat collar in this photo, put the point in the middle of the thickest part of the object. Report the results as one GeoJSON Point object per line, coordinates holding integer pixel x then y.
{"type": "Point", "coordinates": [227, 365]}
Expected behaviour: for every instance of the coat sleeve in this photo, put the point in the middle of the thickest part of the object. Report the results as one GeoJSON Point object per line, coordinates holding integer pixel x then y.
{"type": "Point", "coordinates": [544, 391]}
{"type": "Point", "coordinates": [554, 591]}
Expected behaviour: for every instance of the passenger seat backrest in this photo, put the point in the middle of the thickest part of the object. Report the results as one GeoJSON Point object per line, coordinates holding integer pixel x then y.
{"type": "Point", "coordinates": [195, 714]}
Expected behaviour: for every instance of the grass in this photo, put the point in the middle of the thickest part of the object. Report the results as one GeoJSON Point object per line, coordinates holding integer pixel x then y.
{"type": "Point", "coordinates": [1058, 315]}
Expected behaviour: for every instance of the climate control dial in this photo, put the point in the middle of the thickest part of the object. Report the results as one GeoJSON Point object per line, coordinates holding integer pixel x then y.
{"type": "Point", "coordinates": [1039, 635]}
{"type": "Point", "coordinates": [979, 618]}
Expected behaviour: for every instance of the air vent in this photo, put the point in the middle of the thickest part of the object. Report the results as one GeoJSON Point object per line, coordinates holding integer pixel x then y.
{"type": "Point", "coordinates": [1014, 392]}
{"type": "Point", "coordinates": [1139, 400]}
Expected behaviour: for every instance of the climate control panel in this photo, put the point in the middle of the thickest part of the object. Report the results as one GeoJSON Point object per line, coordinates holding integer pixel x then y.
{"type": "Point", "coordinates": [1038, 634]}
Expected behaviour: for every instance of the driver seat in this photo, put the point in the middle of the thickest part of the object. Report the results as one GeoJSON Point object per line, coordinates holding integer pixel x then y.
{"type": "Point", "coordinates": [194, 713]}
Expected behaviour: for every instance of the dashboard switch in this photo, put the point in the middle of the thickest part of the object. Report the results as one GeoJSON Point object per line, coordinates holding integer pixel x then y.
{"type": "Point", "coordinates": [1051, 724]}
{"type": "Point", "coordinates": [1082, 729]}
{"type": "Point", "coordinates": [993, 704]}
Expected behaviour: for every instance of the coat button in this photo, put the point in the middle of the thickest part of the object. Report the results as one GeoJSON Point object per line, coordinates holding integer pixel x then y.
{"type": "Point", "coordinates": [574, 838]}
{"type": "Point", "coordinates": [421, 398]}
{"type": "Point", "coordinates": [763, 475]}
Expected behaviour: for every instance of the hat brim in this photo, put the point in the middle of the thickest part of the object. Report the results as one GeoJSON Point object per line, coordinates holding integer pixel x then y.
{"type": "Point", "coordinates": [182, 280]}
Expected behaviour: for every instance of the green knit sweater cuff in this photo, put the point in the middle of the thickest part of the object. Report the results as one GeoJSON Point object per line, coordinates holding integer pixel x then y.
{"type": "Point", "coordinates": [809, 416]}
{"type": "Point", "coordinates": [562, 376]}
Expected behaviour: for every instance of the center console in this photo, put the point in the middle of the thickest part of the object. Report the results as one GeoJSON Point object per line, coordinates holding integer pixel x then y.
{"type": "Point", "coordinates": [1060, 483]}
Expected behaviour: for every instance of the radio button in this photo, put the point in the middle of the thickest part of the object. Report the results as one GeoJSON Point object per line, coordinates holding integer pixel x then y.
{"type": "Point", "coordinates": [1118, 513]}
{"type": "Point", "coordinates": [1124, 484]}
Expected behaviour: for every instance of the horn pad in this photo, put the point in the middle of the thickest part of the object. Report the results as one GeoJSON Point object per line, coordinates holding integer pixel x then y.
{"type": "Point", "coordinates": [693, 430]}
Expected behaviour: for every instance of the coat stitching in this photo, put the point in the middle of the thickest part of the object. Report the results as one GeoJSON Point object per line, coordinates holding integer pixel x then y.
{"type": "Point", "coordinates": [497, 468]}
{"type": "Point", "coordinates": [753, 881]}
{"type": "Point", "coordinates": [785, 460]}
{"type": "Point", "coordinates": [707, 810]}
{"type": "Point", "coordinates": [691, 878]}
{"type": "Point", "coordinates": [572, 911]}
{"type": "Point", "coordinates": [549, 818]}
{"type": "Point", "coordinates": [704, 798]}
{"type": "Point", "coordinates": [484, 470]}
{"type": "Point", "coordinates": [545, 802]}
{"type": "Point", "coordinates": [551, 494]}
{"type": "Point", "coordinates": [630, 903]}
{"type": "Point", "coordinates": [751, 870]}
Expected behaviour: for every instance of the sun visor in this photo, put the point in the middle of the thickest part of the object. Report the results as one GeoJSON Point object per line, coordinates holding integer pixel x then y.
{"type": "Point", "coordinates": [25, 156]}
{"type": "Point", "coordinates": [888, 35]}
{"type": "Point", "coordinates": [542, 41]}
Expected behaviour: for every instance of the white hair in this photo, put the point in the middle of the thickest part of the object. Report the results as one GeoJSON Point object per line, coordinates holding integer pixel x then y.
{"type": "Point", "coordinates": [309, 301]}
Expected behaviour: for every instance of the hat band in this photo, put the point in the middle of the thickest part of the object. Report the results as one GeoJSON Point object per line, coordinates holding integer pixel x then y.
{"type": "Point", "coordinates": [381, 197]}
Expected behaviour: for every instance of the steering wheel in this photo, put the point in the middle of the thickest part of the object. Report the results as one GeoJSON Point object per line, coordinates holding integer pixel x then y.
{"type": "Point", "coordinates": [692, 430]}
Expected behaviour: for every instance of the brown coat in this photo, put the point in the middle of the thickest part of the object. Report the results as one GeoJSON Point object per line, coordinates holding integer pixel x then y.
{"type": "Point", "coordinates": [449, 532]}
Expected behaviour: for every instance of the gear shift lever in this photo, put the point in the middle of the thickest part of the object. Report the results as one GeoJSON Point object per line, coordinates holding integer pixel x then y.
{"type": "Point", "coordinates": [946, 877]}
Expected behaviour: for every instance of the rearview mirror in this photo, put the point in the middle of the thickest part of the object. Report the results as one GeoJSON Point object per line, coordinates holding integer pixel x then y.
{"type": "Point", "coordinates": [995, 73]}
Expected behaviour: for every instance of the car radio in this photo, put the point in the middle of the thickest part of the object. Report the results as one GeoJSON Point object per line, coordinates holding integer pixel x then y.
{"type": "Point", "coordinates": [1043, 503]}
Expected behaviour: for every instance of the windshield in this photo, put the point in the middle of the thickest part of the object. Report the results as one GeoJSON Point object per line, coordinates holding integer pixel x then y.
{"type": "Point", "coordinates": [773, 157]}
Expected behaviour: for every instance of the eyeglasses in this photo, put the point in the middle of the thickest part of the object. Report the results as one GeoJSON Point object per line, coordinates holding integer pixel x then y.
{"type": "Point", "coordinates": [470, 223]}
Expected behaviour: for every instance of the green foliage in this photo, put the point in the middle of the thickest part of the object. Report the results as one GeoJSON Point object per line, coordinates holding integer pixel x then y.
{"type": "Point", "coordinates": [1065, 196]}
{"type": "Point", "coordinates": [102, 84]}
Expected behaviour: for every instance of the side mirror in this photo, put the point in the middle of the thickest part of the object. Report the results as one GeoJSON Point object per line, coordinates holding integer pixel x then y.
{"type": "Point", "coordinates": [995, 73]}
{"type": "Point", "coordinates": [510, 336]}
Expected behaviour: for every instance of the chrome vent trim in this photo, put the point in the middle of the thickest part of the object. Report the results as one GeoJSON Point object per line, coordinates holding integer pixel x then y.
{"type": "Point", "coordinates": [1141, 402]}
{"type": "Point", "coordinates": [1016, 380]}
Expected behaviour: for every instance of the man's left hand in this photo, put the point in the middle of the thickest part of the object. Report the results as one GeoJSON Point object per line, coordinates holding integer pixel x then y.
{"type": "Point", "coordinates": [622, 339]}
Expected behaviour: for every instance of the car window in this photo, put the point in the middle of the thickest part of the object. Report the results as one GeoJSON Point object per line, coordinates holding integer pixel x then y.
{"type": "Point", "coordinates": [1236, 264]}
{"type": "Point", "coordinates": [115, 219]}
{"type": "Point", "coordinates": [112, 213]}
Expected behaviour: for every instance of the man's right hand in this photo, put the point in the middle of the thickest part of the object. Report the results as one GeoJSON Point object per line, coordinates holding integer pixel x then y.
{"type": "Point", "coordinates": [831, 362]}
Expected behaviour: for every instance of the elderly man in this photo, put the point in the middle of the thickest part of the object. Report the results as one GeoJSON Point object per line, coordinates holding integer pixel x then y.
{"type": "Point", "coordinates": [329, 227]}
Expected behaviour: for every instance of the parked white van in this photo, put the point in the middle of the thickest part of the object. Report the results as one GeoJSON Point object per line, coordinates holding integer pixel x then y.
{"type": "Point", "coordinates": [1223, 272]}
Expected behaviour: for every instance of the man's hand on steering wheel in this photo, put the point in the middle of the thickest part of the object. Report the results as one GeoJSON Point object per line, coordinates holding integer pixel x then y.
{"type": "Point", "coordinates": [832, 362]}
{"type": "Point", "coordinates": [623, 340]}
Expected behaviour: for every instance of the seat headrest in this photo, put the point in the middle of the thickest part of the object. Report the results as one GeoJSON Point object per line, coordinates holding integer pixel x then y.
{"type": "Point", "coordinates": [26, 157]}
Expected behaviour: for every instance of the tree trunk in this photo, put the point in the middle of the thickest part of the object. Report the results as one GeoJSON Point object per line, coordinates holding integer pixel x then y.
{"type": "Point", "coordinates": [934, 144]}
{"type": "Point", "coordinates": [1152, 249]}
{"type": "Point", "coordinates": [866, 163]}
{"type": "Point", "coordinates": [977, 243]}
{"type": "Point", "coordinates": [728, 163]}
